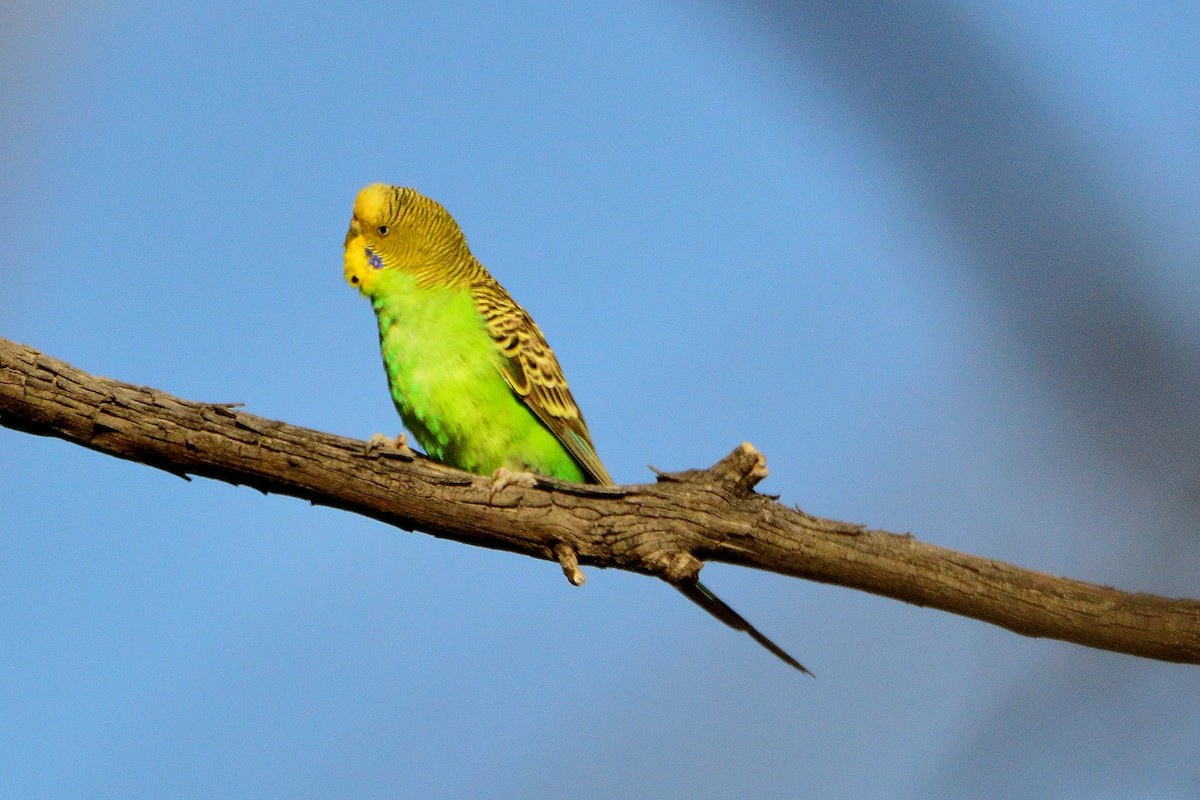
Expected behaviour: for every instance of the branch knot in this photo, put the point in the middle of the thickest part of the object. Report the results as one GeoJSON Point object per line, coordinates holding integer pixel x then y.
{"type": "Point", "coordinates": [741, 471]}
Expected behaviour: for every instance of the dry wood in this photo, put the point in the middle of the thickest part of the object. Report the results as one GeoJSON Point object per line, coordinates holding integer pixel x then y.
{"type": "Point", "coordinates": [666, 529]}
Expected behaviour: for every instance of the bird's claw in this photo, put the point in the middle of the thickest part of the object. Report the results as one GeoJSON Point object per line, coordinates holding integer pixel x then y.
{"type": "Point", "coordinates": [505, 477]}
{"type": "Point", "coordinates": [381, 445]}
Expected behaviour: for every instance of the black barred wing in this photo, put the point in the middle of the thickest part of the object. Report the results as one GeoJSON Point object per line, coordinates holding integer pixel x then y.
{"type": "Point", "coordinates": [534, 374]}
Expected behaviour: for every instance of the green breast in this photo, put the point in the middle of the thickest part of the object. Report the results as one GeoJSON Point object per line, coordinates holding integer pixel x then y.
{"type": "Point", "coordinates": [444, 374]}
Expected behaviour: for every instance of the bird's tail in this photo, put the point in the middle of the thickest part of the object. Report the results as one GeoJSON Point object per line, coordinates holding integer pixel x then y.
{"type": "Point", "coordinates": [699, 594]}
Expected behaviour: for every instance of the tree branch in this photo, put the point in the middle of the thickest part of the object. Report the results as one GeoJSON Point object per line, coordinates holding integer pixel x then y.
{"type": "Point", "coordinates": [666, 529]}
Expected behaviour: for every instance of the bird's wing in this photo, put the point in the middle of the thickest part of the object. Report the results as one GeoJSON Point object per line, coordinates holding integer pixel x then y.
{"type": "Point", "coordinates": [530, 368]}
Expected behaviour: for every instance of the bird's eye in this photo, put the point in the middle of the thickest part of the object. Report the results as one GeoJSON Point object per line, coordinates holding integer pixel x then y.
{"type": "Point", "coordinates": [383, 230]}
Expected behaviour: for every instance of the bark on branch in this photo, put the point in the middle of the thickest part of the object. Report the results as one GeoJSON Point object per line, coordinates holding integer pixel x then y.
{"type": "Point", "coordinates": [666, 529]}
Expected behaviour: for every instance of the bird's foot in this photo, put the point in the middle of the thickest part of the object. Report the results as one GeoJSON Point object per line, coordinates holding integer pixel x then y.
{"type": "Point", "coordinates": [505, 477]}
{"type": "Point", "coordinates": [381, 445]}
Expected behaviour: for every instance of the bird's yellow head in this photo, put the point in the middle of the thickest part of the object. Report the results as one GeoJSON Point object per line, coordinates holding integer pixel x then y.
{"type": "Point", "coordinates": [396, 228]}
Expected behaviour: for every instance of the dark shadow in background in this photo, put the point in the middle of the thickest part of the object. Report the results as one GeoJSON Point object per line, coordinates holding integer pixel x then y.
{"type": "Point", "coordinates": [1064, 263]}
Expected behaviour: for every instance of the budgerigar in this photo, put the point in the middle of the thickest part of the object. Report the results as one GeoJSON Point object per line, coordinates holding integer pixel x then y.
{"type": "Point", "coordinates": [469, 371]}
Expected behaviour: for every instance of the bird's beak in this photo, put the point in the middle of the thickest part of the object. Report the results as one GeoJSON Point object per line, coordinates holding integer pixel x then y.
{"type": "Point", "coordinates": [355, 230]}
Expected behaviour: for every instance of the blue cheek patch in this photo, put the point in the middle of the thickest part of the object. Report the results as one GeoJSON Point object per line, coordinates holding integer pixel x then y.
{"type": "Point", "coordinates": [374, 260]}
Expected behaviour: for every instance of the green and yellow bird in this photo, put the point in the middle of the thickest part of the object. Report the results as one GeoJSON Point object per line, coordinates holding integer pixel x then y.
{"type": "Point", "coordinates": [469, 371]}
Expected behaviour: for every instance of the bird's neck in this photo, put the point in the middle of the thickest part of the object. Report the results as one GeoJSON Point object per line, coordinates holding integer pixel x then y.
{"type": "Point", "coordinates": [445, 271]}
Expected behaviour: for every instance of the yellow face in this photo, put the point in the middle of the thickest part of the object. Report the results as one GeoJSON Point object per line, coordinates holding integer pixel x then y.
{"type": "Point", "coordinates": [362, 257]}
{"type": "Point", "coordinates": [396, 228]}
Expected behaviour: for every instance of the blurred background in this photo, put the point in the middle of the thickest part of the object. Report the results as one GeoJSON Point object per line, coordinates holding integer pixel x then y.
{"type": "Point", "coordinates": [937, 260]}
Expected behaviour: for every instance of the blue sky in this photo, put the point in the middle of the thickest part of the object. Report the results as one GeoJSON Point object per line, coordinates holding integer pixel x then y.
{"type": "Point", "coordinates": [733, 222]}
